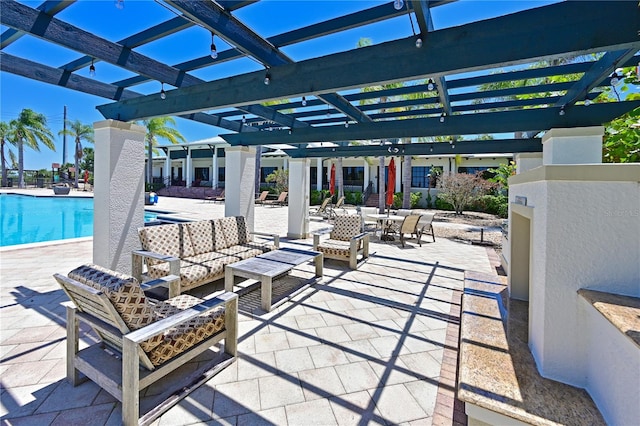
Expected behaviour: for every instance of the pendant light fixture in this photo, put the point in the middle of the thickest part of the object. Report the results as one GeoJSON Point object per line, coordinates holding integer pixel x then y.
{"type": "Point", "coordinates": [304, 101]}
{"type": "Point", "coordinates": [163, 94]}
{"type": "Point", "coordinates": [267, 78]}
{"type": "Point", "coordinates": [92, 69]}
{"type": "Point", "coordinates": [214, 51]}
{"type": "Point", "coordinates": [430, 85]}
{"type": "Point", "coordinates": [398, 4]}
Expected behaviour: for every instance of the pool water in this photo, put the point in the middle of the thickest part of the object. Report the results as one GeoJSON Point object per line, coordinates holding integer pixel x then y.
{"type": "Point", "coordinates": [25, 219]}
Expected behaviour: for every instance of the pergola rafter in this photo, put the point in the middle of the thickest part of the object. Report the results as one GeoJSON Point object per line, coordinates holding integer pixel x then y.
{"type": "Point", "coordinates": [493, 53]}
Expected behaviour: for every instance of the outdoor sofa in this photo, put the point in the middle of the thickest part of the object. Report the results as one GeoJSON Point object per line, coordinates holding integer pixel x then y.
{"type": "Point", "coordinates": [197, 252]}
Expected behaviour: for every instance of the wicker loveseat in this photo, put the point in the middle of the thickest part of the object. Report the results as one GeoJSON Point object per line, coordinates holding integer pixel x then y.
{"type": "Point", "coordinates": [197, 251]}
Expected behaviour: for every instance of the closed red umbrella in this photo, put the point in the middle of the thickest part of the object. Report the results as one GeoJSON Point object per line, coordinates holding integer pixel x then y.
{"type": "Point", "coordinates": [391, 179]}
{"type": "Point", "coordinates": [86, 176]}
{"type": "Point", "coordinates": [332, 181]}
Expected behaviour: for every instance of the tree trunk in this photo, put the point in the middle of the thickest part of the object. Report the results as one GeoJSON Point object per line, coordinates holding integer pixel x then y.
{"type": "Point", "coordinates": [258, 171]}
{"type": "Point", "coordinates": [339, 178]}
{"type": "Point", "coordinates": [77, 163]}
{"type": "Point", "coordinates": [150, 162]}
{"type": "Point", "coordinates": [4, 164]}
{"type": "Point", "coordinates": [406, 182]}
{"type": "Point", "coordinates": [381, 185]}
{"type": "Point", "coordinates": [20, 163]}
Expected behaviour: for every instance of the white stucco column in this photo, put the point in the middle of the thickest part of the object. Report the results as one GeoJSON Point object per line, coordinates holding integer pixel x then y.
{"type": "Point", "coordinates": [299, 183]}
{"type": "Point", "coordinates": [366, 174]}
{"type": "Point", "coordinates": [319, 174]}
{"type": "Point", "coordinates": [527, 161]}
{"type": "Point", "coordinates": [187, 172]}
{"type": "Point", "coordinates": [214, 168]}
{"type": "Point", "coordinates": [285, 163]}
{"type": "Point", "coordinates": [578, 145]}
{"type": "Point", "coordinates": [118, 193]}
{"type": "Point", "coordinates": [239, 183]}
{"type": "Point", "coordinates": [167, 169]}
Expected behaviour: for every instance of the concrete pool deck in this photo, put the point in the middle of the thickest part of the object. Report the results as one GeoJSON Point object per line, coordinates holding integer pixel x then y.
{"type": "Point", "coordinates": [377, 344]}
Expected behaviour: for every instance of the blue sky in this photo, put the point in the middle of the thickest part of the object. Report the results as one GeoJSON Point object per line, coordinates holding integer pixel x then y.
{"type": "Point", "coordinates": [105, 20]}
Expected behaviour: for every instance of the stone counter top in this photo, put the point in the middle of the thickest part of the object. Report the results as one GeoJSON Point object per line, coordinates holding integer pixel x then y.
{"type": "Point", "coordinates": [498, 372]}
{"type": "Point", "coordinates": [622, 311]}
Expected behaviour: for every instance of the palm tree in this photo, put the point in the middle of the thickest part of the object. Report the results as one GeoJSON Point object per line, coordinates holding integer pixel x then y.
{"type": "Point", "coordinates": [30, 128]}
{"type": "Point", "coordinates": [4, 137]}
{"type": "Point", "coordinates": [78, 132]}
{"type": "Point", "coordinates": [158, 127]}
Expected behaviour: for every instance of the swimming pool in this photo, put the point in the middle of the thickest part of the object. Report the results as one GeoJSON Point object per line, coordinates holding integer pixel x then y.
{"type": "Point", "coordinates": [25, 219]}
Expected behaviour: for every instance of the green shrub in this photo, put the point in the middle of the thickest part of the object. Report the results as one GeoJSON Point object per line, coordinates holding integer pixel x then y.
{"type": "Point", "coordinates": [443, 205]}
{"type": "Point", "coordinates": [492, 204]}
{"type": "Point", "coordinates": [317, 197]}
{"type": "Point", "coordinates": [353, 197]}
{"type": "Point", "coordinates": [415, 199]}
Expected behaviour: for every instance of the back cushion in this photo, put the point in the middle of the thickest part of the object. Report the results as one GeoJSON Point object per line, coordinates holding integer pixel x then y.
{"type": "Point", "coordinates": [123, 291]}
{"type": "Point", "coordinates": [346, 227]}
{"type": "Point", "coordinates": [235, 230]}
{"type": "Point", "coordinates": [202, 235]}
{"type": "Point", "coordinates": [172, 240]}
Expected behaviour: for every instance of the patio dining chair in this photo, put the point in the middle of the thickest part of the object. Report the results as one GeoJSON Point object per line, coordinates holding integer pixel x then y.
{"type": "Point", "coordinates": [141, 340]}
{"type": "Point", "coordinates": [410, 226]}
{"type": "Point", "coordinates": [426, 224]}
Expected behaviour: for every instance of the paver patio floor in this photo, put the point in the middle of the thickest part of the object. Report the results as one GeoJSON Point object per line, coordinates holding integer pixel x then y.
{"type": "Point", "coordinates": [361, 346]}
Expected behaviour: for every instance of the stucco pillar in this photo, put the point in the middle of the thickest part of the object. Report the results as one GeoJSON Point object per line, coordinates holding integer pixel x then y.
{"type": "Point", "coordinates": [366, 174]}
{"type": "Point", "coordinates": [187, 171]}
{"type": "Point", "coordinates": [118, 202]}
{"type": "Point", "coordinates": [240, 182]}
{"type": "Point", "coordinates": [319, 174]}
{"type": "Point", "coordinates": [527, 161]}
{"type": "Point", "coordinates": [167, 169]}
{"type": "Point", "coordinates": [578, 145]}
{"type": "Point", "coordinates": [214, 167]}
{"type": "Point", "coordinates": [299, 182]}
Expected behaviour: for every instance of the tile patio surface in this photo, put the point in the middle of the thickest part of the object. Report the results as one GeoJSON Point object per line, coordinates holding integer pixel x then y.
{"type": "Point", "coordinates": [376, 345]}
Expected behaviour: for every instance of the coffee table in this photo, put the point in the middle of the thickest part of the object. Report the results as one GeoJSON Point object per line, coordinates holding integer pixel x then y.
{"type": "Point", "coordinates": [269, 266]}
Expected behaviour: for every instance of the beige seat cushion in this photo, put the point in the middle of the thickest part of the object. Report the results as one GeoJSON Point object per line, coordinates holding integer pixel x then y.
{"type": "Point", "coordinates": [245, 251]}
{"type": "Point", "coordinates": [188, 334]}
{"type": "Point", "coordinates": [196, 270]}
{"type": "Point", "coordinates": [335, 248]}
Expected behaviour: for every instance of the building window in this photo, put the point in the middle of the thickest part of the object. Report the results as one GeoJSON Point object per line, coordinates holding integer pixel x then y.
{"type": "Point", "coordinates": [202, 173]}
{"type": "Point", "coordinates": [220, 174]}
{"type": "Point", "coordinates": [353, 176]}
{"type": "Point", "coordinates": [421, 177]}
{"type": "Point", "coordinates": [483, 171]}
{"type": "Point", "coordinates": [266, 171]}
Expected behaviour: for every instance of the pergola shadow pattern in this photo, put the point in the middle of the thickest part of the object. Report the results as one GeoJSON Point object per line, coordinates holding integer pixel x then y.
{"type": "Point", "coordinates": [487, 77]}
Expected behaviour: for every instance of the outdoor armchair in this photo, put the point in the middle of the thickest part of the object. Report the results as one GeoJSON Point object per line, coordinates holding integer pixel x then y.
{"type": "Point", "coordinates": [141, 340]}
{"type": "Point", "coordinates": [345, 241]}
{"type": "Point", "coordinates": [366, 220]}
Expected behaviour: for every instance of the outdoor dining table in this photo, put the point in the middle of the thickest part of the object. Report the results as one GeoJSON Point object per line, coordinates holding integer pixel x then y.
{"type": "Point", "coordinates": [385, 221]}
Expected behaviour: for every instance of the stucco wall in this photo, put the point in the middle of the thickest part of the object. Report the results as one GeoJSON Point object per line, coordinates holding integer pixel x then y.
{"type": "Point", "coordinates": [585, 234]}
